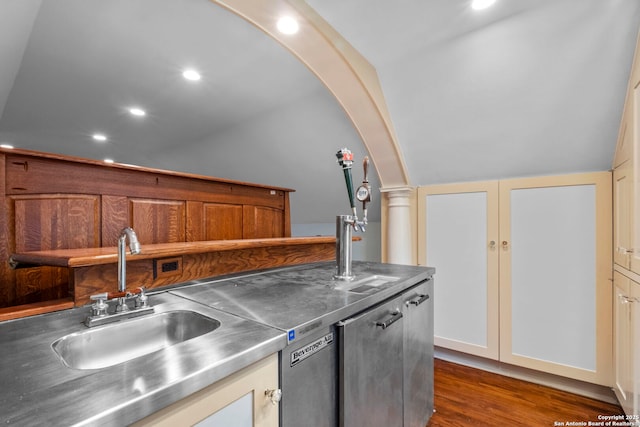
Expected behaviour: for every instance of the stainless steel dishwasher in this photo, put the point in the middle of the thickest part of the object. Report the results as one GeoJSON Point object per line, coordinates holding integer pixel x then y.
{"type": "Point", "coordinates": [386, 362]}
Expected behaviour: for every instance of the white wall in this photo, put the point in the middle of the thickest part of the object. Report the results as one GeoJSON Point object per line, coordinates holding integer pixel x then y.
{"type": "Point", "coordinates": [368, 249]}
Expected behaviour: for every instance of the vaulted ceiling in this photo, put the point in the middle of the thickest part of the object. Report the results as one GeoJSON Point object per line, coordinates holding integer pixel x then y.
{"type": "Point", "coordinates": [527, 87]}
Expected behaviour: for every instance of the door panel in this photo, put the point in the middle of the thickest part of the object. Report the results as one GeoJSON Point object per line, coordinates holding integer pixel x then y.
{"type": "Point", "coordinates": [461, 223]}
{"type": "Point", "coordinates": [418, 354]}
{"type": "Point", "coordinates": [555, 271]}
{"type": "Point", "coordinates": [367, 375]}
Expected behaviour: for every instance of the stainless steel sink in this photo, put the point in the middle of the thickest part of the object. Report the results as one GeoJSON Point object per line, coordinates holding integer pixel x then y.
{"type": "Point", "coordinates": [126, 340]}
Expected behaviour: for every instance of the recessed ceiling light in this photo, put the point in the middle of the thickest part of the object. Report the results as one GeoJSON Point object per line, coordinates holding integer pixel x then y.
{"type": "Point", "coordinates": [99, 137]}
{"type": "Point", "coordinates": [136, 111]}
{"type": "Point", "coordinates": [288, 25]}
{"type": "Point", "coordinates": [7, 146]}
{"type": "Point", "coordinates": [482, 4]}
{"type": "Point", "coordinates": [108, 160]}
{"type": "Point", "coordinates": [191, 75]}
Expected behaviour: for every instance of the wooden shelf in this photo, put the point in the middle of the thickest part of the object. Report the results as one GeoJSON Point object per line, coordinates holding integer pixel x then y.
{"type": "Point", "coordinates": [18, 311]}
{"type": "Point", "coordinates": [109, 255]}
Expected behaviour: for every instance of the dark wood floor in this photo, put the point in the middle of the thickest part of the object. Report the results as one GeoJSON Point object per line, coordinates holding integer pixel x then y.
{"type": "Point", "coordinates": [471, 397]}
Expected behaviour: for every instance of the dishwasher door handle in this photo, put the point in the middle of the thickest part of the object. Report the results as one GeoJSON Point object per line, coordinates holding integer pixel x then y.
{"type": "Point", "coordinates": [419, 300]}
{"type": "Point", "coordinates": [395, 316]}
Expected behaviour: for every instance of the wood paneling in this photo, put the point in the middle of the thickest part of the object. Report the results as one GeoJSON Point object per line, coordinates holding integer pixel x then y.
{"type": "Point", "coordinates": [103, 278]}
{"type": "Point", "coordinates": [49, 222]}
{"type": "Point", "coordinates": [115, 217]}
{"type": "Point", "coordinates": [158, 221]}
{"type": "Point", "coordinates": [55, 202]}
{"type": "Point", "coordinates": [56, 221]}
{"type": "Point", "coordinates": [262, 222]}
{"type": "Point", "coordinates": [38, 174]}
{"type": "Point", "coordinates": [223, 221]}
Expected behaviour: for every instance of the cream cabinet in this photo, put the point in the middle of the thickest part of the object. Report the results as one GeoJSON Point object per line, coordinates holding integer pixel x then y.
{"type": "Point", "coordinates": [622, 202]}
{"type": "Point", "coordinates": [460, 230]}
{"type": "Point", "coordinates": [510, 255]}
{"type": "Point", "coordinates": [635, 348]}
{"type": "Point", "coordinates": [622, 341]}
{"type": "Point", "coordinates": [245, 397]}
{"type": "Point", "coordinates": [626, 246]}
{"type": "Point", "coordinates": [626, 250]}
{"type": "Point", "coordinates": [626, 348]}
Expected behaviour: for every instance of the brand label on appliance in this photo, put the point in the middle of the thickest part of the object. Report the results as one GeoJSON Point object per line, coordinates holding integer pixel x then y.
{"type": "Point", "coordinates": [310, 349]}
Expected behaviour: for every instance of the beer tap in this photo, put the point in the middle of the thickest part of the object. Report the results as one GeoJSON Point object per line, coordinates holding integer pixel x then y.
{"type": "Point", "coordinates": [363, 194]}
{"type": "Point", "coordinates": [345, 159]}
{"type": "Point", "coordinates": [345, 223]}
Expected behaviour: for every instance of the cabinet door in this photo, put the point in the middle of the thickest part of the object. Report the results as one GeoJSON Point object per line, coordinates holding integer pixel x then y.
{"type": "Point", "coordinates": [635, 347]}
{"type": "Point", "coordinates": [622, 344]}
{"type": "Point", "coordinates": [418, 354]}
{"type": "Point", "coordinates": [555, 269]}
{"type": "Point", "coordinates": [459, 233]}
{"type": "Point", "coordinates": [634, 188]}
{"type": "Point", "coordinates": [371, 367]}
{"type": "Point", "coordinates": [622, 211]}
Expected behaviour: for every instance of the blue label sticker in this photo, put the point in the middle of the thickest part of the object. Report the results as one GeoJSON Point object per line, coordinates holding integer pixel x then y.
{"type": "Point", "coordinates": [292, 335]}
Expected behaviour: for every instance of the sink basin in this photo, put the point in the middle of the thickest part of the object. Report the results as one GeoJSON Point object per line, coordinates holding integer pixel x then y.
{"type": "Point", "coordinates": [126, 340]}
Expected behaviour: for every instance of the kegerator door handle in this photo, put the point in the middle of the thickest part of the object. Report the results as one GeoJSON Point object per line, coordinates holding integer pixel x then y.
{"type": "Point", "coordinates": [395, 316]}
{"type": "Point", "coordinates": [419, 300]}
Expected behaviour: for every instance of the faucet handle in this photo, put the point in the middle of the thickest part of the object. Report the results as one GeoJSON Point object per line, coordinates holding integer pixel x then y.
{"type": "Point", "coordinates": [142, 300]}
{"type": "Point", "coordinates": [99, 308]}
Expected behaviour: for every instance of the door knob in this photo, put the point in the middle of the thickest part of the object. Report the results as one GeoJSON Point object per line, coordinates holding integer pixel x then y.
{"type": "Point", "coordinates": [274, 395]}
{"type": "Point", "coordinates": [505, 244]}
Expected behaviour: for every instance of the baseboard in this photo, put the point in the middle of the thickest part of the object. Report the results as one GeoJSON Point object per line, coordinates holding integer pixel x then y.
{"type": "Point", "coordinates": [594, 391]}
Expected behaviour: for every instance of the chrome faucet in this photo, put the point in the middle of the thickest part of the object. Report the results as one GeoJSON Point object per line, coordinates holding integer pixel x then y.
{"type": "Point", "coordinates": [134, 247]}
{"type": "Point", "coordinates": [100, 310]}
{"type": "Point", "coordinates": [346, 223]}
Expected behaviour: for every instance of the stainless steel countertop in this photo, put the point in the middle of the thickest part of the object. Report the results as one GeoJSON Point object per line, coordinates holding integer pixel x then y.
{"type": "Point", "coordinates": [302, 298]}
{"type": "Point", "coordinates": [38, 388]}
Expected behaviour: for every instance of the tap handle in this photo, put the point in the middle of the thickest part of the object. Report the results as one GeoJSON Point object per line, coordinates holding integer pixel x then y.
{"type": "Point", "coordinates": [365, 166]}
{"type": "Point", "coordinates": [363, 194]}
{"type": "Point", "coordinates": [345, 160]}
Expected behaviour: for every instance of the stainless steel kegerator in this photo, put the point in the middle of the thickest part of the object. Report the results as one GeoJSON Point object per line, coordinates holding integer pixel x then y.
{"type": "Point", "coordinates": [386, 362]}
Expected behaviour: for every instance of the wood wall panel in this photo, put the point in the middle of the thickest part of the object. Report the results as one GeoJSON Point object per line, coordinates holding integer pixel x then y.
{"type": "Point", "coordinates": [54, 202]}
{"type": "Point", "coordinates": [41, 284]}
{"type": "Point", "coordinates": [7, 276]}
{"type": "Point", "coordinates": [47, 222]}
{"type": "Point", "coordinates": [195, 221]}
{"type": "Point", "coordinates": [115, 217]}
{"type": "Point", "coordinates": [262, 222]}
{"type": "Point", "coordinates": [103, 278]}
{"type": "Point", "coordinates": [35, 175]}
{"type": "Point", "coordinates": [222, 221]}
{"type": "Point", "coordinates": [56, 221]}
{"type": "Point", "coordinates": [158, 221]}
